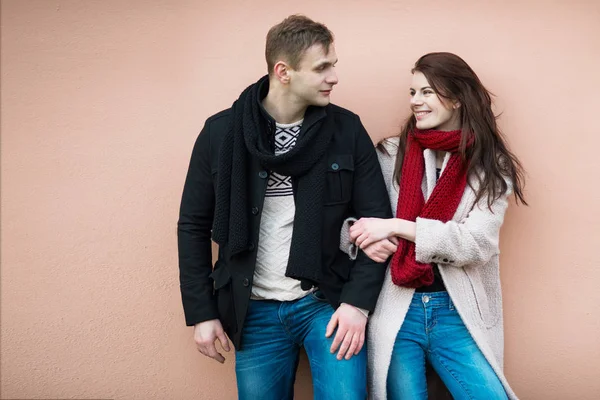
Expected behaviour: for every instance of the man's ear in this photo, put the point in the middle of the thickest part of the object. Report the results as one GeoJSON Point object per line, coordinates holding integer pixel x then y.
{"type": "Point", "coordinates": [282, 72]}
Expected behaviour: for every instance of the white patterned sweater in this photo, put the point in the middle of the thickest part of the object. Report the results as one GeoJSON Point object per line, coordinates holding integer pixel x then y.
{"type": "Point", "coordinates": [276, 227]}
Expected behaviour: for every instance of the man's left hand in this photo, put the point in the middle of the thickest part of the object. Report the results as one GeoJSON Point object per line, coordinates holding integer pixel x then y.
{"type": "Point", "coordinates": [350, 323]}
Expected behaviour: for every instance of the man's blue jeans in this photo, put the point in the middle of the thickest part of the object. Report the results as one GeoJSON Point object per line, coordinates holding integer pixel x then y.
{"type": "Point", "coordinates": [433, 330]}
{"type": "Point", "coordinates": [273, 333]}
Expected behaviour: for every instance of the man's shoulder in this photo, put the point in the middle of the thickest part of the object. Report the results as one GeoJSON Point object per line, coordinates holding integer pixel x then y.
{"type": "Point", "coordinates": [218, 119]}
{"type": "Point", "coordinates": [214, 130]}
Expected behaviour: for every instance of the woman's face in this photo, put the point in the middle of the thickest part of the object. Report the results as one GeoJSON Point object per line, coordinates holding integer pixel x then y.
{"type": "Point", "coordinates": [431, 111]}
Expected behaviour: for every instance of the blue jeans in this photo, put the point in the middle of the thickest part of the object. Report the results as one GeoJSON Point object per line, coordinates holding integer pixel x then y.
{"type": "Point", "coordinates": [273, 333]}
{"type": "Point", "coordinates": [433, 331]}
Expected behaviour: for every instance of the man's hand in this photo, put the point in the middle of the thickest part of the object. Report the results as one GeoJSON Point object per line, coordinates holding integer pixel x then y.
{"type": "Point", "coordinates": [205, 334]}
{"type": "Point", "coordinates": [380, 251]}
{"type": "Point", "coordinates": [350, 333]}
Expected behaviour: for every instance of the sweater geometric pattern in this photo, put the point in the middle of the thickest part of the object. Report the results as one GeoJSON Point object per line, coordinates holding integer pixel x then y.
{"type": "Point", "coordinates": [276, 228]}
{"type": "Point", "coordinates": [285, 138]}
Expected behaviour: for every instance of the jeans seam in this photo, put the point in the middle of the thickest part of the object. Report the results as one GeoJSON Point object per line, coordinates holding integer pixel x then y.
{"type": "Point", "coordinates": [453, 375]}
{"type": "Point", "coordinates": [425, 316]}
{"type": "Point", "coordinates": [433, 318]}
{"type": "Point", "coordinates": [285, 328]}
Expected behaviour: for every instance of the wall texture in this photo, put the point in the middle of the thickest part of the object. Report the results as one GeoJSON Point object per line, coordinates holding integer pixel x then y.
{"type": "Point", "coordinates": [101, 102]}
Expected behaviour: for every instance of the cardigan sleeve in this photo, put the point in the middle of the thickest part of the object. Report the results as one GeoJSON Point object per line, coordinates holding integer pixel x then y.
{"type": "Point", "coordinates": [345, 244]}
{"type": "Point", "coordinates": [472, 241]}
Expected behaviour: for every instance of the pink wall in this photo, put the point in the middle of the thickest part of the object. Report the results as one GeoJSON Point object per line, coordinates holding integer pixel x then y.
{"type": "Point", "coordinates": [102, 100]}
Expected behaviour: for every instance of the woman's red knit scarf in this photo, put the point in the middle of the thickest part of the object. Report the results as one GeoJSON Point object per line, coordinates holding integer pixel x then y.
{"type": "Point", "coordinates": [441, 205]}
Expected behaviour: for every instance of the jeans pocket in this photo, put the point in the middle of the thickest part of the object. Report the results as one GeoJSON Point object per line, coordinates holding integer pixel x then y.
{"type": "Point", "coordinates": [318, 296]}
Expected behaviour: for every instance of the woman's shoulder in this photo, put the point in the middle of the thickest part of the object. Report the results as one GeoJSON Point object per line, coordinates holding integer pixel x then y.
{"type": "Point", "coordinates": [389, 146]}
{"type": "Point", "coordinates": [387, 150]}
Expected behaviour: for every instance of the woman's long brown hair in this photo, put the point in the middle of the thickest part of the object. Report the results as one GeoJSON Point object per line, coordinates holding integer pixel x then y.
{"type": "Point", "coordinates": [452, 79]}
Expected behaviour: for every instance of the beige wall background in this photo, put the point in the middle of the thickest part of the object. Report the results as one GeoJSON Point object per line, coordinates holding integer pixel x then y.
{"type": "Point", "coordinates": [101, 102]}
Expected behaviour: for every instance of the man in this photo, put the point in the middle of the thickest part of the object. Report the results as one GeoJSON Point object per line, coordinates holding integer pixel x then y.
{"type": "Point", "coordinates": [274, 177]}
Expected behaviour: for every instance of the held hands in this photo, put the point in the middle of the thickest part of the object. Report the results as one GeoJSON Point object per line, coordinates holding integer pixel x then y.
{"type": "Point", "coordinates": [205, 334]}
{"type": "Point", "coordinates": [350, 323]}
{"type": "Point", "coordinates": [375, 236]}
{"type": "Point", "coordinates": [382, 250]}
{"type": "Point", "coordinates": [367, 231]}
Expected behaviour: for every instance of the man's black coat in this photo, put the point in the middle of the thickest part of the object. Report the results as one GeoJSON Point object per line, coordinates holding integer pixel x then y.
{"type": "Point", "coordinates": [354, 187]}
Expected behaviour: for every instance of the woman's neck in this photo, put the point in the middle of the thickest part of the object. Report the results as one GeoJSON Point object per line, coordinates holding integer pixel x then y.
{"type": "Point", "coordinates": [439, 158]}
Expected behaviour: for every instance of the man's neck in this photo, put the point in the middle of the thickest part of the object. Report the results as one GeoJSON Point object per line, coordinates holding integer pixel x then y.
{"type": "Point", "coordinates": [282, 107]}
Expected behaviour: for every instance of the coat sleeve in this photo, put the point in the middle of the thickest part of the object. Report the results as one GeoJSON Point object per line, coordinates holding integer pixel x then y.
{"type": "Point", "coordinates": [369, 199]}
{"type": "Point", "coordinates": [194, 235]}
{"type": "Point", "coordinates": [473, 241]}
{"type": "Point", "coordinates": [387, 160]}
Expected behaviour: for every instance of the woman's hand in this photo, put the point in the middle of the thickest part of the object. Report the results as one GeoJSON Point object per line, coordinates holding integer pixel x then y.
{"type": "Point", "coordinates": [367, 231]}
{"type": "Point", "coordinates": [382, 250]}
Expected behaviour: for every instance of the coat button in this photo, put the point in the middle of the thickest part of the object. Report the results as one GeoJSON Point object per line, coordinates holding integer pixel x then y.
{"type": "Point", "coordinates": [434, 257]}
{"type": "Point", "coordinates": [254, 210]}
{"type": "Point", "coordinates": [445, 260]}
{"type": "Point", "coordinates": [263, 174]}
{"type": "Point", "coordinates": [335, 166]}
{"type": "Point", "coordinates": [245, 282]}
{"type": "Point", "coordinates": [251, 246]}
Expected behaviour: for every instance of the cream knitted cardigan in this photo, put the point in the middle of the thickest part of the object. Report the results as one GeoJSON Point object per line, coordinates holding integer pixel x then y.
{"type": "Point", "coordinates": [466, 251]}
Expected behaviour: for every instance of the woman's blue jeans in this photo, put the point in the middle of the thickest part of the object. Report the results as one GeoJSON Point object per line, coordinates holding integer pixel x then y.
{"type": "Point", "coordinates": [433, 331]}
{"type": "Point", "coordinates": [273, 334]}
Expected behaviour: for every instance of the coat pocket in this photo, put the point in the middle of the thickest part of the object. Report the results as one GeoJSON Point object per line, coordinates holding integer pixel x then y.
{"type": "Point", "coordinates": [340, 174]}
{"type": "Point", "coordinates": [488, 299]}
{"type": "Point", "coordinates": [223, 290]}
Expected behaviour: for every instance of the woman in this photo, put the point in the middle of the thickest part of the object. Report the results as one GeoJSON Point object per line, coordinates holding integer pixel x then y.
{"type": "Point", "coordinates": [449, 175]}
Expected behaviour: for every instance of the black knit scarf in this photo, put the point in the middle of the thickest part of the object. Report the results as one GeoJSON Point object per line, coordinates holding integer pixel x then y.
{"type": "Point", "coordinates": [305, 163]}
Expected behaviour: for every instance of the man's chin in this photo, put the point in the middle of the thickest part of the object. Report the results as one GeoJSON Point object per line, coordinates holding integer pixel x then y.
{"type": "Point", "coordinates": [322, 102]}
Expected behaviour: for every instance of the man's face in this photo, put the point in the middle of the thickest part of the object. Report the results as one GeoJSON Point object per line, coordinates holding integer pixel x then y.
{"type": "Point", "coordinates": [312, 81]}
